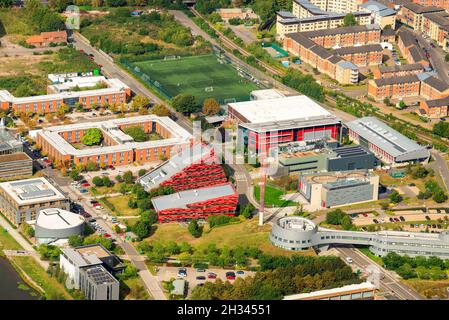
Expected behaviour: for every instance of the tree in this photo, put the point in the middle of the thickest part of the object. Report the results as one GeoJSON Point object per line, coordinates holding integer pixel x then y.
{"type": "Point", "coordinates": [118, 178]}
{"type": "Point", "coordinates": [93, 136]}
{"type": "Point", "coordinates": [349, 20]}
{"type": "Point", "coordinates": [76, 241]}
{"type": "Point", "coordinates": [139, 102]}
{"type": "Point", "coordinates": [194, 229]}
{"type": "Point", "coordinates": [91, 166]}
{"type": "Point", "coordinates": [98, 181]}
{"type": "Point", "coordinates": [160, 110]}
{"type": "Point", "coordinates": [128, 177]}
{"type": "Point", "coordinates": [6, 3]}
{"type": "Point", "coordinates": [75, 175]}
{"type": "Point", "coordinates": [446, 57]}
{"type": "Point", "coordinates": [395, 197]}
{"type": "Point", "coordinates": [137, 133]}
{"type": "Point", "coordinates": [441, 129]}
{"type": "Point", "coordinates": [387, 101]}
{"type": "Point", "coordinates": [185, 103]}
{"type": "Point", "coordinates": [211, 107]}
{"type": "Point", "coordinates": [142, 172]}
{"type": "Point", "coordinates": [142, 229]}
{"type": "Point", "coordinates": [439, 196]}
{"type": "Point", "coordinates": [107, 182]}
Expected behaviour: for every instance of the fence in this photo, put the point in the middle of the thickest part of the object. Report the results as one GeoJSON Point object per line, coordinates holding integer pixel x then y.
{"type": "Point", "coordinates": [145, 78]}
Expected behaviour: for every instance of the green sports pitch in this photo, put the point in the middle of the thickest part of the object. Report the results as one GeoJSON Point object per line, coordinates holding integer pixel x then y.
{"type": "Point", "coordinates": [202, 76]}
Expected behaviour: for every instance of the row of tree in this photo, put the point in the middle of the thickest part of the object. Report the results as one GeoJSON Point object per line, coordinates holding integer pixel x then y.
{"type": "Point", "coordinates": [431, 268]}
{"type": "Point", "coordinates": [281, 276]}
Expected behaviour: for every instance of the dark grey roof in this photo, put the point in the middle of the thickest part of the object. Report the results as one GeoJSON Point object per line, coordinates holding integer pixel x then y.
{"type": "Point", "coordinates": [440, 18]}
{"type": "Point", "coordinates": [396, 80]}
{"type": "Point", "coordinates": [358, 49]}
{"type": "Point", "coordinates": [342, 30]}
{"type": "Point", "coordinates": [417, 54]}
{"type": "Point", "coordinates": [183, 198]}
{"type": "Point", "coordinates": [436, 83]}
{"type": "Point", "coordinates": [388, 32]}
{"type": "Point", "coordinates": [321, 52]}
{"type": "Point", "coordinates": [407, 37]}
{"type": "Point", "coordinates": [421, 9]}
{"type": "Point", "coordinates": [300, 38]}
{"type": "Point", "coordinates": [438, 102]}
{"type": "Point", "coordinates": [335, 59]}
{"type": "Point", "coordinates": [403, 67]}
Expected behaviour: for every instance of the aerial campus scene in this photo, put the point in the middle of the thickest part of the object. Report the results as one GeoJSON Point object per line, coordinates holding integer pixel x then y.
{"type": "Point", "coordinates": [224, 150]}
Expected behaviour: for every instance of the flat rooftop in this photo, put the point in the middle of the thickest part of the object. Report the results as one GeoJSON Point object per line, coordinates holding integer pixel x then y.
{"type": "Point", "coordinates": [365, 286]}
{"type": "Point", "coordinates": [96, 249]}
{"type": "Point", "coordinates": [99, 275]}
{"type": "Point", "coordinates": [266, 94]}
{"type": "Point", "coordinates": [19, 156]}
{"type": "Point", "coordinates": [183, 198]}
{"type": "Point", "coordinates": [30, 191]}
{"type": "Point", "coordinates": [58, 219]}
{"type": "Point", "coordinates": [383, 136]}
{"type": "Point", "coordinates": [178, 135]}
{"type": "Point", "coordinates": [280, 109]}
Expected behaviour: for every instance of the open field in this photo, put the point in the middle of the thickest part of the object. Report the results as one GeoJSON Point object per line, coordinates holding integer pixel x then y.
{"type": "Point", "coordinates": [27, 75]}
{"type": "Point", "coordinates": [430, 288]}
{"type": "Point", "coordinates": [246, 233]}
{"type": "Point", "coordinates": [13, 22]}
{"type": "Point", "coordinates": [273, 197]}
{"type": "Point", "coordinates": [194, 74]}
{"type": "Point", "coordinates": [120, 204]}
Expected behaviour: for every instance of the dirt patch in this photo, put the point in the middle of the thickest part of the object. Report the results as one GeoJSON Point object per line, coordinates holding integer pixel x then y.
{"type": "Point", "coordinates": [13, 66]}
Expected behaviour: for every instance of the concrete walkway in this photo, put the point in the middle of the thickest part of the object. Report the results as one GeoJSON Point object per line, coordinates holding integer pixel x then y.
{"type": "Point", "coordinates": [23, 243]}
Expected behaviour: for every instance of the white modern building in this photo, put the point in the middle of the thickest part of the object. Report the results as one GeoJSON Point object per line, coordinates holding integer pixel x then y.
{"type": "Point", "coordinates": [55, 225]}
{"type": "Point", "coordinates": [298, 233]}
{"type": "Point", "coordinates": [386, 143]}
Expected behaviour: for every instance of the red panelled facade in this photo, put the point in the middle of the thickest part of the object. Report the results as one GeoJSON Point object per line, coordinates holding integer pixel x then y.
{"type": "Point", "coordinates": [201, 210]}
{"type": "Point", "coordinates": [207, 172]}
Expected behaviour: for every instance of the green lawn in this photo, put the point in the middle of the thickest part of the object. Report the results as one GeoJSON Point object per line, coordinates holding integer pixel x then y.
{"type": "Point", "coordinates": [7, 242]}
{"type": "Point", "coordinates": [273, 197]}
{"type": "Point", "coordinates": [14, 22]}
{"type": "Point", "coordinates": [194, 74]}
{"type": "Point", "coordinates": [246, 233]}
{"type": "Point", "coordinates": [120, 204]}
{"type": "Point", "coordinates": [53, 289]}
{"type": "Point", "coordinates": [134, 289]}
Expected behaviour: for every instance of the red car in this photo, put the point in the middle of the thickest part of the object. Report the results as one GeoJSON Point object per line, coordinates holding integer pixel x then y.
{"type": "Point", "coordinates": [107, 235]}
{"type": "Point", "coordinates": [96, 204]}
{"type": "Point", "coordinates": [111, 167]}
{"type": "Point", "coordinates": [365, 215]}
{"type": "Point", "coordinates": [211, 275]}
{"type": "Point", "coordinates": [230, 275]}
{"type": "Point", "coordinates": [85, 185]}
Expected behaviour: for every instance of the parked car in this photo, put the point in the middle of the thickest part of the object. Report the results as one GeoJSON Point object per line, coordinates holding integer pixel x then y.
{"type": "Point", "coordinates": [365, 215]}
{"type": "Point", "coordinates": [349, 260]}
{"type": "Point", "coordinates": [182, 272]}
{"type": "Point", "coordinates": [230, 275]}
{"type": "Point", "coordinates": [401, 218]}
{"type": "Point", "coordinates": [93, 201]}
{"type": "Point", "coordinates": [391, 220]}
{"type": "Point", "coordinates": [107, 235]}
{"type": "Point", "coordinates": [86, 185]}
{"type": "Point", "coordinates": [428, 218]}
{"type": "Point", "coordinates": [111, 167]}
{"type": "Point", "coordinates": [240, 272]}
{"type": "Point", "coordinates": [200, 278]}
{"type": "Point", "coordinates": [92, 220]}
{"type": "Point", "coordinates": [375, 221]}
{"type": "Point", "coordinates": [200, 270]}
{"type": "Point", "coordinates": [396, 219]}
{"type": "Point", "coordinates": [84, 191]}
{"type": "Point", "coordinates": [211, 275]}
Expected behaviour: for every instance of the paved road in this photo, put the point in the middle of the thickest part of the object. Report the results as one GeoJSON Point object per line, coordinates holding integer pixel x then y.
{"type": "Point", "coordinates": [23, 243]}
{"type": "Point", "coordinates": [151, 282]}
{"type": "Point", "coordinates": [436, 58]}
{"type": "Point", "coordinates": [111, 70]}
{"type": "Point", "coordinates": [388, 281]}
{"type": "Point", "coordinates": [440, 165]}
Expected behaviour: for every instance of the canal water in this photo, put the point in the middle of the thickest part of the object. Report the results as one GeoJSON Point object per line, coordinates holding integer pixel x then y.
{"type": "Point", "coordinates": [12, 287]}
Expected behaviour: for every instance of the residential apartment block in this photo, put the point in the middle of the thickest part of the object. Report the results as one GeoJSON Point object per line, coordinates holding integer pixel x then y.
{"type": "Point", "coordinates": [314, 15]}
{"type": "Point", "coordinates": [394, 87]}
{"type": "Point", "coordinates": [380, 13]}
{"type": "Point", "coordinates": [412, 14]}
{"type": "Point", "coordinates": [353, 47]}
{"type": "Point", "coordinates": [397, 71]}
{"type": "Point", "coordinates": [21, 200]}
{"type": "Point", "coordinates": [73, 89]}
{"type": "Point", "coordinates": [410, 49]}
{"type": "Point", "coordinates": [117, 147]}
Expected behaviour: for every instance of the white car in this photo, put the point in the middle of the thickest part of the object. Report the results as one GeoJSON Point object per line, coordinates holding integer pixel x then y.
{"type": "Point", "coordinates": [98, 207]}
{"type": "Point", "coordinates": [349, 260]}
